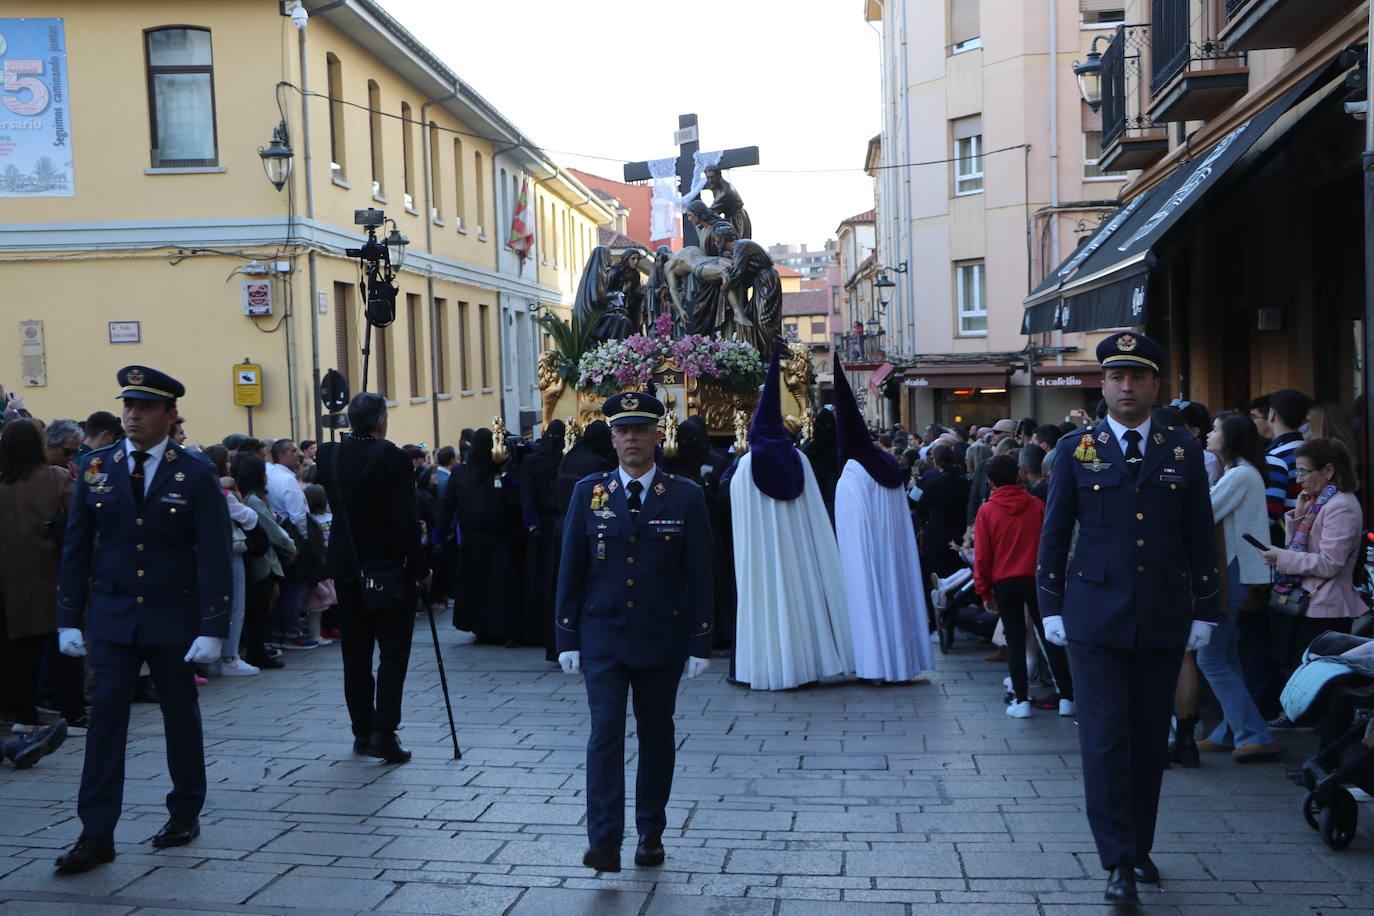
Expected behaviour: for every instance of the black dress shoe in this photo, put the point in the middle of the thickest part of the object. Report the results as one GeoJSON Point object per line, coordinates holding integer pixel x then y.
{"type": "Point", "coordinates": [601, 859]}
{"type": "Point", "coordinates": [1146, 872]}
{"type": "Point", "coordinates": [649, 852]}
{"type": "Point", "coordinates": [385, 746]}
{"type": "Point", "coordinates": [360, 744]}
{"type": "Point", "coordinates": [179, 830]}
{"type": "Point", "coordinates": [37, 745]}
{"type": "Point", "coordinates": [88, 852]}
{"type": "Point", "coordinates": [1121, 886]}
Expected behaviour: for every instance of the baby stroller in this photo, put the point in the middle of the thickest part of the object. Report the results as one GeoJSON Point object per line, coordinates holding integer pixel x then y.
{"type": "Point", "coordinates": [1325, 678]}
{"type": "Point", "coordinates": [955, 604]}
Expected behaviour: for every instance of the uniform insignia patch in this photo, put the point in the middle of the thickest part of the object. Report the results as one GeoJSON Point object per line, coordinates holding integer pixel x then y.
{"type": "Point", "coordinates": [1126, 343]}
{"type": "Point", "coordinates": [119, 455]}
{"type": "Point", "coordinates": [169, 456]}
{"type": "Point", "coordinates": [1086, 451]}
{"type": "Point", "coordinates": [1178, 453]}
{"type": "Point", "coordinates": [135, 376]}
{"type": "Point", "coordinates": [1158, 438]}
{"type": "Point", "coordinates": [660, 489]}
{"type": "Point", "coordinates": [599, 497]}
{"type": "Point", "coordinates": [93, 473]}
{"type": "Point", "coordinates": [613, 485]}
{"type": "Point", "coordinates": [630, 402]}
{"type": "Point", "coordinates": [1103, 437]}
{"type": "Point", "coordinates": [178, 476]}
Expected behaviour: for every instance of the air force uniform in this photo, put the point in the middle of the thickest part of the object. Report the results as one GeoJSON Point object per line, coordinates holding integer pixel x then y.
{"type": "Point", "coordinates": [635, 599]}
{"type": "Point", "coordinates": [1143, 569]}
{"type": "Point", "coordinates": [144, 575]}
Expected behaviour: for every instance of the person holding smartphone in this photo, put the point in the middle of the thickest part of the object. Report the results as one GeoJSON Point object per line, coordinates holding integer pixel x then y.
{"type": "Point", "coordinates": [1238, 505]}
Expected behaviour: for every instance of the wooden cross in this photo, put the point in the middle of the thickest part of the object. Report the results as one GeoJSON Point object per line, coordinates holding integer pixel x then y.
{"type": "Point", "coordinates": [688, 146]}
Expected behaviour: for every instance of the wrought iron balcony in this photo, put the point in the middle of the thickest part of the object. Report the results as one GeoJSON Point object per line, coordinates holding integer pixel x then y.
{"type": "Point", "coordinates": [867, 347]}
{"type": "Point", "coordinates": [1255, 24]}
{"type": "Point", "coordinates": [1130, 140]}
{"type": "Point", "coordinates": [1189, 80]}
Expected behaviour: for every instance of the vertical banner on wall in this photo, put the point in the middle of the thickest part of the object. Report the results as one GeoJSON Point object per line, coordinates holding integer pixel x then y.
{"type": "Point", "coordinates": [35, 113]}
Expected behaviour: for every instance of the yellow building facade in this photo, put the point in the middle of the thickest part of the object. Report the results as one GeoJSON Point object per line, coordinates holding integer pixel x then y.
{"type": "Point", "coordinates": [171, 221]}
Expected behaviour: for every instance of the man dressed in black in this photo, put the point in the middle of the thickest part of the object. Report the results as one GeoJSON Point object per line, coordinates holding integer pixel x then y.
{"type": "Point", "coordinates": [371, 489]}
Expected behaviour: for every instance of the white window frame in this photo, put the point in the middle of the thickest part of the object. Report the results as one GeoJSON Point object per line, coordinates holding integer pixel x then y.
{"type": "Point", "coordinates": [971, 310]}
{"type": "Point", "coordinates": [963, 180]}
{"type": "Point", "coordinates": [1089, 162]}
{"type": "Point", "coordinates": [968, 44]}
{"type": "Point", "coordinates": [1089, 26]}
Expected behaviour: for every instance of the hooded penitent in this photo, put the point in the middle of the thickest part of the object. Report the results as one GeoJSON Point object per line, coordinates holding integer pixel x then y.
{"type": "Point", "coordinates": [776, 463]}
{"type": "Point", "coordinates": [853, 439]}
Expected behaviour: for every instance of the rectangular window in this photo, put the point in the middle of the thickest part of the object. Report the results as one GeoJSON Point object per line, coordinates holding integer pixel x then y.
{"type": "Point", "coordinates": [970, 284]}
{"type": "Point", "coordinates": [343, 344]}
{"type": "Point", "coordinates": [968, 154]}
{"type": "Point", "coordinates": [463, 376]}
{"type": "Point", "coordinates": [441, 343]}
{"type": "Point", "coordinates": [818, 327]}
{"type": "Point", "coordinates": [479, 218]}
{"type": "Point", "coordinates": [459, 211]}
{"type": "Point", "coordinates": [338, 166]}
{"type": "Point", "coordinates": [413, 345]}
{"type": "Point", "coordinates": [1092, 151]}
{"type": "Point", "coordinates": [963, 26]}
{"type": "Point", "coordinates": [543, 234]}
{"type": "Point", "coordinates": [436, 187]}
{"type": "Point", "coordinates": [408, 156]}
{"type": "Point", "coordinates": [181, 98]}
{"type": "Point", "coordinates": [483, 312]}
{"type": "Point", "coordinates": [1098, 13]}
{"type": "Point", "coordinates": [374, 132]}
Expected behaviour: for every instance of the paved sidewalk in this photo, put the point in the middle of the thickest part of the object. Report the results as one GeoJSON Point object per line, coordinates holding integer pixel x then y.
{"type": "Point", "coordinates": [847, 800]}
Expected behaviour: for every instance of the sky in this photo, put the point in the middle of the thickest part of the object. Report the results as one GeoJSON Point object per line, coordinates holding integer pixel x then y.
{"type": "Point", "coordinates": [797, 78]}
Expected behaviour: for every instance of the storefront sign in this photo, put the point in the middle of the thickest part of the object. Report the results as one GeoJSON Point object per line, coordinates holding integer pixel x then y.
{"type": "Point", "coordinates": [1063, 381]}
{"type": "Point", "coordinates": [916, 382]}
{"type": "Point", "coordinates": [33, 364]}
{"type": "Point", "coordinates": [122, 332]}
{"type": "Point", "coordinates": [35, 113]}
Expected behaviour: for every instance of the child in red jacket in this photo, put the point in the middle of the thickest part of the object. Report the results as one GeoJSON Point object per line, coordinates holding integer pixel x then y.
{"type": "Point", "coordinates": [1006, 540]}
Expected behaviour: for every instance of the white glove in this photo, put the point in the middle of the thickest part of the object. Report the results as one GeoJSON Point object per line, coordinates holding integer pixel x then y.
{"type": "Point", "coordinates": [1200, 636]}
{"type": "Point", "coordinates": [696, 665]}
{"type": "Point", "coordinates": [1054, 630]}
{"type": "Point", "coordinates": [571, 661]}
{"type": "Point", "coordinates": [205, 649]}
{"type": "Point", "coordinates": [69, 642]}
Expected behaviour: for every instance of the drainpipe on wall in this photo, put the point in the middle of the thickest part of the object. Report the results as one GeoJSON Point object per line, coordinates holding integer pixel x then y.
{"type": "Point", "coordinates": [1367, 160]}
{"type": "Point", "coordinates": [310, 214]}
{"type": "Point", "coordinates": [428, 216]}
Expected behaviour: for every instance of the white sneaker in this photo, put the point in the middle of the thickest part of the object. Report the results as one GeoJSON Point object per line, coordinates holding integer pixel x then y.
{"type": "Point", "coordinates": [1066, 708]}
{"type": "Point", "coordinates": [21, 729]}
{"type": "Point", "coordinates": [237, 668]}
{"type": "Point", "coordinates": [1020, 710]}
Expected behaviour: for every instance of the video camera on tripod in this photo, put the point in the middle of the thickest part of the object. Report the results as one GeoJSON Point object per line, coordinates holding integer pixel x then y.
{"type": "Point", "coordinates": [379, 261]}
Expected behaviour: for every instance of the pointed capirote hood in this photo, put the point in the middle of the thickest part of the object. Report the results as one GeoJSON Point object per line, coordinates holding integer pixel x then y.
{"type": "Point", "coordinates": [775, 461]}
{"type": "Point", "coordinates": [853, 440]}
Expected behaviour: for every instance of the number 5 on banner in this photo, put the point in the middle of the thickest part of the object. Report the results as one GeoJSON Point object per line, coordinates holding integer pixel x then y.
{"type": "Point", "coordinates": [14, 82]}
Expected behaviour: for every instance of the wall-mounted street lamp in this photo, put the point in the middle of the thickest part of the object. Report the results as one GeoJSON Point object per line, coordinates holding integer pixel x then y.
{"type": "Point", "coordinates": [886, 282]}
{"type": "Point", "coordinates": [396, 246]}
{"type": "Point", "coordinates": [1089, 74]}
{"type": "Point", "coordinates": [276, 158]}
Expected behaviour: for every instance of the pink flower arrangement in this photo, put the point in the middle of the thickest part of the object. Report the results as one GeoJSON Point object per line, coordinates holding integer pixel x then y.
{"type": "Point", "coordinates": [630, 363]}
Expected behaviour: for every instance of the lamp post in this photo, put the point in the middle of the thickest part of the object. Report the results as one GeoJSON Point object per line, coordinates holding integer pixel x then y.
{"type": "Point", "coordinates": [276, 158]}
{"type": "Point", "coordinates": [1089, 74]}
{"type": "Point", "coordinates": [396, 247]}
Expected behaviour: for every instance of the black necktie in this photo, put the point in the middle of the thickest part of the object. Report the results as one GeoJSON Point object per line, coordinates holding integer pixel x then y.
{"type": "Point", "coordinates": [635, 488]}
{"type": "Point", "coordinates": [137, 476]}
{"type": "Point", "coordinates": [1133, 455]}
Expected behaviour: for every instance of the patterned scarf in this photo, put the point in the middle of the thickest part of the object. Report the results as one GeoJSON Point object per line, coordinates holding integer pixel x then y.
{"type": "Point", "coordinates": [1286, 583]}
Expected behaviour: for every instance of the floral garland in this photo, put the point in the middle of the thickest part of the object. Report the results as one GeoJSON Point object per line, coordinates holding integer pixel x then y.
{"type": "Point", "coordinates": [613, 365]}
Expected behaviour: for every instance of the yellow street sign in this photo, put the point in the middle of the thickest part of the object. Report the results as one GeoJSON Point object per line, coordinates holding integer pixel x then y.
{"type": "Point", "coordinates": [248, 385]}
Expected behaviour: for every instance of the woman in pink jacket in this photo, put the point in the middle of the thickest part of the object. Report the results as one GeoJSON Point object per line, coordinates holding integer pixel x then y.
{"type": "Point", "coordinates": [1324, 532]}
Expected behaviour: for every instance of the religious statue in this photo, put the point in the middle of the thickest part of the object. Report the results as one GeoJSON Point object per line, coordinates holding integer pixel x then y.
{"type": "Point", "coordinates": [752, 289]}
{"type": "Point", "coordinates": [741, 432]}
{"type": "Point", "coordinates": [572, 431]}
{"type": "Point", "coordinates": [704, 219]}
{"type": "Point", "coordinates": [609, 295]}
{"type": "Point", "coordinates": [551, 384]}
{"type": "Point", "coordinates": [725, 200]}
{"type": "Point", "coordinates": [670, 435]}
{"type": "Point", "coordinates": [499, 451]}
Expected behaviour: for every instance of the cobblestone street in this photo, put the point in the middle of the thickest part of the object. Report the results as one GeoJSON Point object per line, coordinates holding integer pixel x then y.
{"type": "Point", "coordinates": [846, 800]}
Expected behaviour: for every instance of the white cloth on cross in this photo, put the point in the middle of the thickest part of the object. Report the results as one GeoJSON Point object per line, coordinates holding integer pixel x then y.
{"type": "Point", "coordinates": [666, 204]}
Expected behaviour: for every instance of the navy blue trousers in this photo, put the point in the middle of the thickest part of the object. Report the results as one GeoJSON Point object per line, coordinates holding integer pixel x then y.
{"type": "Point", "coordinates": [1124, 699]}
{"type": "Point", "coordinates": [654, 693]}
{"type": "Point", "coordinates": [102, 778]}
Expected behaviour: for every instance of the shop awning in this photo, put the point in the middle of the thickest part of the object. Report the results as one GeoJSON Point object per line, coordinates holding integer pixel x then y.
{"type": "Point", "coordinates": [1105, 283]}
{"type": "Point", "coordinates": [880, 375]}
{"type": "Point", "coordinates": [963, 375]}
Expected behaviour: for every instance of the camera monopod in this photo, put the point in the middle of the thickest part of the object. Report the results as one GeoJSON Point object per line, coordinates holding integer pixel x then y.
{"type": "Point", "coordinates": [443, 678]}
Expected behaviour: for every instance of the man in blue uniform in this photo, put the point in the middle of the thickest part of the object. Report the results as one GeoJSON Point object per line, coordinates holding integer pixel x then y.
{"type": "Point", "coordinates": [145, 578]}
{"type": "Point", "coordinates": [634, 604]}
{"type": "Point", "coordinates": [1140, 587]}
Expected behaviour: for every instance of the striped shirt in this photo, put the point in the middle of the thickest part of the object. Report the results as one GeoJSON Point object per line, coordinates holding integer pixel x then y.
{"type": "Point", "coordinates": [1281, 481]}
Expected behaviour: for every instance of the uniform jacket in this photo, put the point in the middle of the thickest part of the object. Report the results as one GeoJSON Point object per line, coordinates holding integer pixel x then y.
{"type": "Point", "coordinates": [1329, 560]}
{"type": "Point", "coordinates": [638, 592]}
{"type": "Point", "coordinates": [382, 519]}
{"type": "Point", "coordinates": [1145, 563]}
{"type": "Point", "coordinates": [158, 573]}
